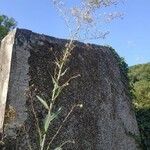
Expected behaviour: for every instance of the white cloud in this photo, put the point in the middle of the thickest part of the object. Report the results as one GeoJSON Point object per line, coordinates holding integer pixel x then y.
{"type": "Point", "coordinates": [131, 43]}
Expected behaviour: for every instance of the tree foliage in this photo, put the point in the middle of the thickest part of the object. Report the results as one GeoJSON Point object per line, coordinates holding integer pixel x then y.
{"type": "Point", "coordinates": [6, 24]}
{"type": "Point", "coordinates": [140, 79]}
{"type": "Point", "coordinates": [139, 76]}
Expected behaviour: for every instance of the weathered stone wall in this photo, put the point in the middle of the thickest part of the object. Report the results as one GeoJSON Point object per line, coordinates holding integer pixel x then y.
{"type": "Point", "coordinates": [5, 64]}
{"type": "Point", "coordinates": [106, 121]}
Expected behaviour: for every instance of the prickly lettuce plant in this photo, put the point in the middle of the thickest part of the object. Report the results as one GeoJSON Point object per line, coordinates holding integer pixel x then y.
{"type": "Point", "coordinates": [81, 21]}
{"type": "Point", "coordinates": [60, 71]}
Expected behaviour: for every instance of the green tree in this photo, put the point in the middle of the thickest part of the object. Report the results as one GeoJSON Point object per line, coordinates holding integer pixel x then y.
{"type": "Point", "coordinates": [6, 24]}
{"type": "Point", "coordinates": [140, 79]}
{"type": "Point", "coordinates": [139, 76]}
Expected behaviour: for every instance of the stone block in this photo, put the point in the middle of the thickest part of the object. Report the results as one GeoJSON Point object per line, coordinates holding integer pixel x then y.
{"type": "Point", "coordinates": [106, 121]}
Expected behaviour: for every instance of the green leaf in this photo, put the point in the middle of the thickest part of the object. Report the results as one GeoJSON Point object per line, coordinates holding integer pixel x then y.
{"type": "Point", "coordinates": [47, 122]}
{"type": "Point", "coordinates": [54, 115]}
{"type": "Point", "coordinates": [43, 102]}
{"type": "Point", "coordinates": [50, 118]}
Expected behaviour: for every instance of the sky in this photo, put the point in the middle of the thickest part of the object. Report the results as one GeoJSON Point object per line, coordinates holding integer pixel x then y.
{"type": "Point", "coordinates": [129, 36]}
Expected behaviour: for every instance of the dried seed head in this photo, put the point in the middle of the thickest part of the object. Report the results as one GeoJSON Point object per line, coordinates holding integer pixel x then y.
{"type": "Point", "coordinates": [80, 105]}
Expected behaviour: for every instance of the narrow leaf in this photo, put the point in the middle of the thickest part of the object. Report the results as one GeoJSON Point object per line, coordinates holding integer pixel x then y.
{"type": "Point", "coordinates": [55, 115]}
{"type": "Point", "coordinates": [50, 118]}
{"type": "Point", "coordinates": [43, 102]}
{"type": "Point", "coordinates": [47, 122]}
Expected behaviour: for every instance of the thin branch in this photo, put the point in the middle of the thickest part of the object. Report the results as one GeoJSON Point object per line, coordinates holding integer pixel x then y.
{"type": "Point", "coordinates": [66, 142]}
{"type": "Point", "coordinates": [36, 119]}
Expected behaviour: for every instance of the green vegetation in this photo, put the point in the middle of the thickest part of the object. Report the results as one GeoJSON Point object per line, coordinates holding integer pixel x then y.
{"type": "Point", "coordinates": [6, 24]}
{"type": "Point", "coordinates": [139, 76]}
{"type": "Point", "coordinates": [139, 86]}
{"type": "Point", "coordinates": [121, 62]}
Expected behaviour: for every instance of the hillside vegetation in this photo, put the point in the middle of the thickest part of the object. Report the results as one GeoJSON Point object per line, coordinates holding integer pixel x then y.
{"type": "Point", "coordinates": [139, 76]}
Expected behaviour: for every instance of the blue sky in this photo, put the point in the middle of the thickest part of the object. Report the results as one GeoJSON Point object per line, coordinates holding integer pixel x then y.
{"type": "Point", "coordinates": [129, 36]}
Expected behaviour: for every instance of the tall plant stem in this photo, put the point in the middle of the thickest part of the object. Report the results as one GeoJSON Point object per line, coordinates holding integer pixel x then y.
{"type": "Point", "coordinates": [65, 56]}
{"type": "Point", "coordinates": [63, 62]}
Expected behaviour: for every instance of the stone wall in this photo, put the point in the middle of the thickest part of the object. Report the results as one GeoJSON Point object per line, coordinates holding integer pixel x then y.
{"type": "Point", "coordinates": [5, 64]}
{"type": "Point", "coordinates": [106, 121]}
